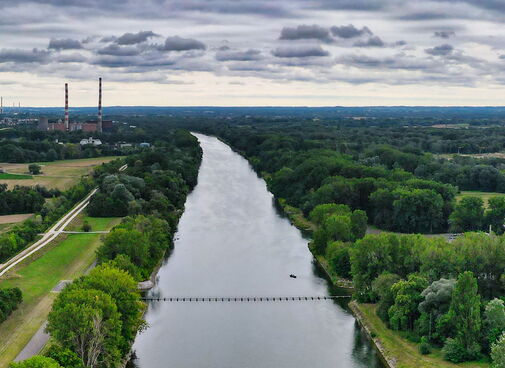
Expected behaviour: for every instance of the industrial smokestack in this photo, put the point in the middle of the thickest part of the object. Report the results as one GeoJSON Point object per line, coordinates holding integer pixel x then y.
{"type": "Point", "coordinates": [99, 121]}
{"type": "Point", "coordinates": [1, 105]}
{"type": "Point", "coordinates": [66, 107]}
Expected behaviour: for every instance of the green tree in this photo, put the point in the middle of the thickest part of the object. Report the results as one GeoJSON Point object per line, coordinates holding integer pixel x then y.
{"type": "Point", "coordinates": [359, 224]}
{"type": "Point", "coordinates": [464, 312]}
{"type": "Point", "coordinates": [88, 323]}
{"type": "Point", "coordinates": [34, 169]}
{"type": "Point", "coordinates": [494, 319]}
{"type": "Point", "coordinates": [407, 296]}
{"type": "Point", "coordinates": [468, 214]}
{"type": "Point", "coordinates": [36, 361]}
{"type": "Point", "coordinates": [123, 290]}
{"type": "Point", "coordinates": [337, 255]}
{"type": "Point", "coordinates": [338, 227]}
{"type": "Point", "coordinates": [65, 357]}
{"type": "Point", "coordinates": [436, 303]}
{"type": "Point", "coordinates": [381, 287]}
{"type": "Point", "coordinates": [498, 352]}
{"type": "Point", "coordinates": [495, 215]}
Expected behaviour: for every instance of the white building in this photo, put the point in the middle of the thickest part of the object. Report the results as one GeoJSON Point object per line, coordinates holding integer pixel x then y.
{"type": "Point", "coordinates": [90, 140]}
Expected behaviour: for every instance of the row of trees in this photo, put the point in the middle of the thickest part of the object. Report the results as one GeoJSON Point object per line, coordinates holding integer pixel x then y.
{"type": "Point", "coordinates": [20, 200]}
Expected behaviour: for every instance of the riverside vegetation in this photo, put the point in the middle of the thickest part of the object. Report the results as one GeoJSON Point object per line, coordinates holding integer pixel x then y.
{"type": "Point", "coordinates": [440, 294]}
{"type": "Point", "coordinates": [95, 319]}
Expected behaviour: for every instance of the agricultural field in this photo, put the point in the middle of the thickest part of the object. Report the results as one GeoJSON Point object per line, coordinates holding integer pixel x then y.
{"type": "Point", "coordinates": [7, 221]}
{"type": "Point", "coordinates": [57, 174]}
{"type": "Point", "coordinates": [482, 195]}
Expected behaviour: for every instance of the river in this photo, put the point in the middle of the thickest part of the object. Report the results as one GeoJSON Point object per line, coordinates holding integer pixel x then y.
{"type": "Point", "coordinates": [232, 241]}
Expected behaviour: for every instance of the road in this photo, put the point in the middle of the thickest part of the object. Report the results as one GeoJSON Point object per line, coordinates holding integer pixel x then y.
{"type": "Point", "coordinates": [50, 234]}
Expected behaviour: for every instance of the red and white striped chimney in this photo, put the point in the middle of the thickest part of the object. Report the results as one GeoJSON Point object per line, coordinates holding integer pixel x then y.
{"type": "Point", "coordinates": [67, 127]}
{"type": "Point", "coordinates": [99, 121]}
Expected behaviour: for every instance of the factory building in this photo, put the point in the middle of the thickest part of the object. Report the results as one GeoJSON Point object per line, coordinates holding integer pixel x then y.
{"type": "Point", "coordinates": [67, 125]}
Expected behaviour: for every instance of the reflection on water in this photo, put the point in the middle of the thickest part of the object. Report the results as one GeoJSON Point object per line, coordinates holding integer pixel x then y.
{"type": "Point", "coordinates": [233, 242]}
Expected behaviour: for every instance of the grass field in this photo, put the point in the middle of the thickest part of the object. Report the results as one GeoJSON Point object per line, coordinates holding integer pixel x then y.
{"type": "Point", "coordinates": [66, 259]}
{"type": "Point", "coordinates": [7, 176]}
{"type": "Point", "coordinates": [57, 174]}
{"type": "Point", "coordinates": [406, 353]}
{"type": "Point", "coordinates": [482, 195]}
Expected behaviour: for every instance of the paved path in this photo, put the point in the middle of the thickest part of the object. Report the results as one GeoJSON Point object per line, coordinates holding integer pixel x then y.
{"type": "Point", "coordinates": [35, 345]}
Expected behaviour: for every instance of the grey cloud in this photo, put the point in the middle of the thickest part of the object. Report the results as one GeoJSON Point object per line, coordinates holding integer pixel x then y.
{"type": "Point", "coordinates": [177, 43]}
{"type": "Point", "coordinates": [444, 34]}
{"type": "Point", "coordinates": [23, 56]}
{"type": "Point", "coordinates": [248, 55]}
{"type": "Point", "coordinates": [64, 44]}
{"type": "Point", "coordinates": [305, 32]}
{"type": "Point", "coordinates": [301, 51]}
{"type": "Point", "coordinates": [71, 58]}
{"type": "Point", "coordinates": [117, 50]}
{"type": "Point", "coordinates": [108, 39]}
{"type": "Point", "coordinates": [373, 41]}
{"type": "Point", "coordinates": [349, 31]}
{"type": "Point", "coordinates": [134, 38]}
{"type": "Point", "coordinates": [441, 50]}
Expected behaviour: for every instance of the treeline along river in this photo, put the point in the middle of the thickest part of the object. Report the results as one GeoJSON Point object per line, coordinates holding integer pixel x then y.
{"type": "Point", "coordinates": [232, 241]}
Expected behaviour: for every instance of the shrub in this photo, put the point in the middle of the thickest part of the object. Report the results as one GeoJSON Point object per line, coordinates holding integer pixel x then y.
{"type": "Point", "coordinates": [424, 346]}
{"type": "Point", "coordinates": [36, 362]}
{"type": "Point", "coordinates": [86, 227]}
{"type": "Point", "coordinates": [454, 351]}
{"type": "Point", "coordinates": [64, 357]}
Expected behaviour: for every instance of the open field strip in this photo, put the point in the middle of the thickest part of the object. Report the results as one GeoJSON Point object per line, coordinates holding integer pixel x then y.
{"type": "Point", "coordinates": [12, 219]}
{"type": "Point", "coordinates": [68, 257]}
{"type": "Point", "coordinates": [485, 196]}
{"type": "Point", "coordinates": [56, 174]}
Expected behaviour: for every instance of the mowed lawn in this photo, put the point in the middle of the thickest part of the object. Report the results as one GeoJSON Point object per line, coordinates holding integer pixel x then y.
{"type": "Point", "coordinates": [405, 352]}
{"type": "Point", "coordinates": [66, 260]}
{"type": "Point", "coordinates": [57, 174]}
{"type": "Point", "coordinates": [482, 195]}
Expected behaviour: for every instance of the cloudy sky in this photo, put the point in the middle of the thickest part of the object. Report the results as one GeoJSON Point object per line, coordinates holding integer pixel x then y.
{"type": "Point", "coordinates": [253, 52]}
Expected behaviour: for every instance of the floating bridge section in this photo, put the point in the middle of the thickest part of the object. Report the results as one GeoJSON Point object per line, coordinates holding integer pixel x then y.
{"type": "Point", "coordinates": [247, 298]}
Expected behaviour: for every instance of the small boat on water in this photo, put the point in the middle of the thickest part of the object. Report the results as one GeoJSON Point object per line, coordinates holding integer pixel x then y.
{"type": "Point", "coordinates": [292, 276]}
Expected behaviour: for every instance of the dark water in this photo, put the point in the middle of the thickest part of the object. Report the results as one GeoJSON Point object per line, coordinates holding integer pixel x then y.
{"type": "Point", "coordinates": [233, 242]}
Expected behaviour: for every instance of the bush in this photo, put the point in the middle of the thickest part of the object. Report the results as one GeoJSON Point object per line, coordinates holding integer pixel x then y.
{"type": "Point", "coordinates": [34, 169]}
{"type": "Point", "coordinates": [64, 357]}
{"type": "Point", "coordinates": [424, 346]}
{"type": "Point", "coordinates": [36, 362]}
{"type": "Point", "coordinates": [86, 227]}
{"type": "Point", "coordinates": [498, 352]}
{"type": "Point", "coordinates": [454, 351]}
